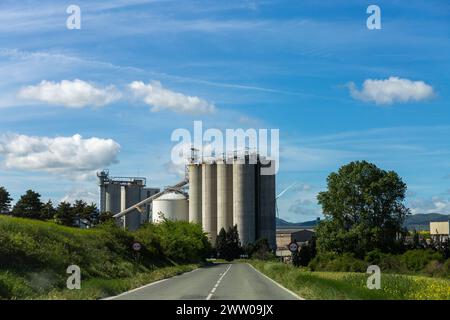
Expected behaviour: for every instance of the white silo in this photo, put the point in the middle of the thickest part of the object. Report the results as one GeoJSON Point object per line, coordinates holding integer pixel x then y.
{"type": "Point", "coordinates": [224, 196]}
{"type": "Point", "coordinates": [171, 206]}
{"type": "Point", "coordinates": [244, 196]}
{"type": "Point", "coordinates": [209, 200]}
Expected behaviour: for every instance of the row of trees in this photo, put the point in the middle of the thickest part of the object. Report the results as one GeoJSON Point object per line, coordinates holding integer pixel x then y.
{"type": "Point", "coordinates": [30, 206]}
{"type": "Point", "coordinates": [228, 246]}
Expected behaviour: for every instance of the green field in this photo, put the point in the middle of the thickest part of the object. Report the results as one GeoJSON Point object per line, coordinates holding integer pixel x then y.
{"type": "Point", "coordinates": [34, 256]}
{"type": "Point", "coordinates": [352, 285]}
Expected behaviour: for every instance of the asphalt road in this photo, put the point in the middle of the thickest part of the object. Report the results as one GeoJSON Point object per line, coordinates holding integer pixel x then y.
{"type": "Point", "coordinates": [236, 281]}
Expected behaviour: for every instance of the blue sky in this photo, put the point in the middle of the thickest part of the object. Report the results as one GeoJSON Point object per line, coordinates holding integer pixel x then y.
{"type": "Point", "coordinates": [288, 65]}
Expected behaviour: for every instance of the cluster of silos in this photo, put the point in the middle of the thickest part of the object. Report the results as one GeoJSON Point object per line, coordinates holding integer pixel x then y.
{"type": "Point", "coordinates": [118, 194]}
{"type": "Point", "coordinates": [228, 192]}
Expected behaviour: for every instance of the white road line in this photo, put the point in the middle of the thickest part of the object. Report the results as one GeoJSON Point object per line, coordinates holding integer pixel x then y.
{"type": "Point", "coordinates": [147, 285]}
{"type": "Point", "coordinates": [286, 289]}
{"type": "Point", "coordinates": [217, 283]}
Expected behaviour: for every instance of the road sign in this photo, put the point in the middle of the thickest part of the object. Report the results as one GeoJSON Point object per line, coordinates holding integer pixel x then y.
{"type": "Point", "coordinates": [137, 246]}
{"type": "Point", "coordinates": [293, 247]}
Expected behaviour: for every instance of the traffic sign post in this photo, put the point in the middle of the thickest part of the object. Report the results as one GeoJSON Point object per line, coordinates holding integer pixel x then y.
{"type": "Point", "coordinates": [136, 249]}
{"type": "Point", "coordinates": [293, 247]}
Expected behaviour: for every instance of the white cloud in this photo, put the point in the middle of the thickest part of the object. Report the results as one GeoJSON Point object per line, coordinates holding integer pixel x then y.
{"type": "Point", "coordinates": [81, 193]}
{"type": "Point", "coordinates": [159, 98]}
{"type": "Point", "coordinates": [72, 94]}
{"type": "Point", "coordinates": [435, 204]}
{"type": "Point", "coordinates": [392, 90]}
{"type": "Point", "coordinates": [73, 156]}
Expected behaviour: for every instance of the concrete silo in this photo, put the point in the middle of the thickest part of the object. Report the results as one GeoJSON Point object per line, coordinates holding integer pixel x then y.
{"type": "Point", "coordinates": [130, 195]}
{"type": "Point", "coordinates": [244, 207]}
{"type": "Point", "coordinates": [195, 193]}
{"type": "Point", "coordinates": [224, 196]}
{"type": "Point", "coordinates": [171, 206]}
{"type": "Point", "coordinates": [209, 200]}
{"type": "Point", "coordinates": [112, 198]}
{"type": "Point", "coordinates": [265, 220]}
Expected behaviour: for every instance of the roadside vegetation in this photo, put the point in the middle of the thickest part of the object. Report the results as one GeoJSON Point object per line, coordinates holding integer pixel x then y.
{"type": "Point", "coordinates": [352, 285]}
{"type": "Point", "coordinates": [34, 256]}
{"type": "Point", "coordinates": [364, 217]}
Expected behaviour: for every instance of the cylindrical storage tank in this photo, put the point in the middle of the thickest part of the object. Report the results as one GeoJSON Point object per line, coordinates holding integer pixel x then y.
{"type": "Point", "coordinates": [266, 225]}
{"type": "Point", "coordinates": [195, 193]}
{"type": "Point", "coordinates": [244, 201]}
{"type": "Point", "coordinates": [102, 198]}
{"type": "Point", "coordinates": [224, 196]}
{"type": "Point", "coordinates": [131, 194]}
{"type": "Point", "coordinates": [112, 198]}
{"type": "Point", "coordinates": [171, 206]}
{"type": "Point", "coordinates": [209, 200]}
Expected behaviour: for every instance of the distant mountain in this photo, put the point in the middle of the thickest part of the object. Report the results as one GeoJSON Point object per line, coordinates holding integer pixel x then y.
{"type": "Point", "coordinates": [283, 224]}
{"type": "Point", "coordinates": [420, 221]}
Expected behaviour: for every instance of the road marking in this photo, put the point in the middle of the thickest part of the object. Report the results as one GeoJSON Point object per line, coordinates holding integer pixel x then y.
{"type": "Point", "coordinates": [217, 283]}
{"type": "Point", "coordinates": [147, 285]}
{"type": "Point", "coordinates": [286, 289]}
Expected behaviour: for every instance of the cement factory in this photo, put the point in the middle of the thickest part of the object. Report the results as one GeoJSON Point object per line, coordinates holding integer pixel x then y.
{"type": "Point", "coordinates": [222, 192]}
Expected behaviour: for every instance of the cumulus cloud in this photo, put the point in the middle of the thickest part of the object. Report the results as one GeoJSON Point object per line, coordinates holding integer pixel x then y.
{"type": "Point", "coordinates": [81, 193]}
{"type": "Point", "coordinates": [435, 204]}
{"type": "Point", "coordinates": [304, 207]}
{"type": "Point", "coordinates": [72, 94]}
{"type": "Point", "coordinates": [73, 156]}
{"type": "Point", "coordinates": [391, 90]}
{"type": "Point", "coordinates": [160, 98]}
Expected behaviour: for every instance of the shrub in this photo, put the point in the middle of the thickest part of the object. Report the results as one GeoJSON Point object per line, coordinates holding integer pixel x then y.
{"type": "Point", "coordinates": [434, 269]}
{"type": "Point", "coordinates": [37, 252]}
{"type": "Point", "coordinates": [416, 260]}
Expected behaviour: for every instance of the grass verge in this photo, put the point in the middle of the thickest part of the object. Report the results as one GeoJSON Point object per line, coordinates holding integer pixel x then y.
{"type": "Point", "coordinates": [352, 285]}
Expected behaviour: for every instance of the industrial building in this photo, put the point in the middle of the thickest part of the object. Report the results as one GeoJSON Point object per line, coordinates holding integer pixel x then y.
{"type": "Point", "coordinates": [120, 193]}
{"type": "Point", "coordinates": [223, 192]}
{"type": "Point", "coordinates": [439, 231]}
{"type": "Point", "coordinates": [286, 236]}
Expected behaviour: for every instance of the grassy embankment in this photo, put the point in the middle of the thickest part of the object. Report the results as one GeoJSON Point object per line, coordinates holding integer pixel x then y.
{"type": "Point", "coordinates": [352, 285]}
{"type": "Point", "coordinates": [34, 256]}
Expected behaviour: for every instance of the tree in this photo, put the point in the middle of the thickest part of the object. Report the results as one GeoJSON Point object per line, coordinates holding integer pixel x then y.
{"type": "Point", "coordinates": [48, 211]}
{"type": "Point", "coordinates": [261, 250]}
{"type": "Point", "coordinates": [5, 200]}
{"type": "Point", "coordinates": [363, 210]}
{"type": "Point", "coordinates": [307, 253]}
{"type": "Point", "coordinates": [415, 240]}
{"type": "Point", "coordinates": [64, 214]}
{"type": "Point", "coordinates": [228, 244]}
{"type": "Point", "coordinates": [28, 206]}
{"type": "Point", "coordinates": [221, 243]}
{"type": "Point", "coordinates": [79, 210]}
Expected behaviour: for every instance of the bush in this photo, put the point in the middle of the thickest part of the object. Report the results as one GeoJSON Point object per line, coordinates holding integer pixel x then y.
{"type": "Point", "coordinates": [434, 269]}
{"type": "Point", "coordinates": [333, 262]}
{"type": "Point", "coordinates": [261, 250]}
{"type": "Point", "coordinates": [416, 260]}
{"type": "Point", "coordinates": [38, 253]}
{"type": "Point", "coordinates": [179, 241]}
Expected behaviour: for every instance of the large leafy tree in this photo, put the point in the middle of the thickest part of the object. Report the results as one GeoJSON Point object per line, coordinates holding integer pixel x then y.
{"type": "Point", "coordinates": [29, 206]}
{"type": "Point", "coordinates": [363, 210]}
{"type": "Point", "coordinates": [5, 200]}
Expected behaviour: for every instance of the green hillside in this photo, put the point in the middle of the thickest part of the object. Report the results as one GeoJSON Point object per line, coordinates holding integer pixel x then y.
{"type": "Point", "coordinates": [34, 255]}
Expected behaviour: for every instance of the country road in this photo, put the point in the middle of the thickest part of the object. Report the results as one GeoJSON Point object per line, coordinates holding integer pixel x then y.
{"type": "Point", "coordinates": [221, 281]}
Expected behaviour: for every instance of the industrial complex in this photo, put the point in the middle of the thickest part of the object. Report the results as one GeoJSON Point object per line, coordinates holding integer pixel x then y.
{"type": "Point", "coordinates": [222, 192]}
